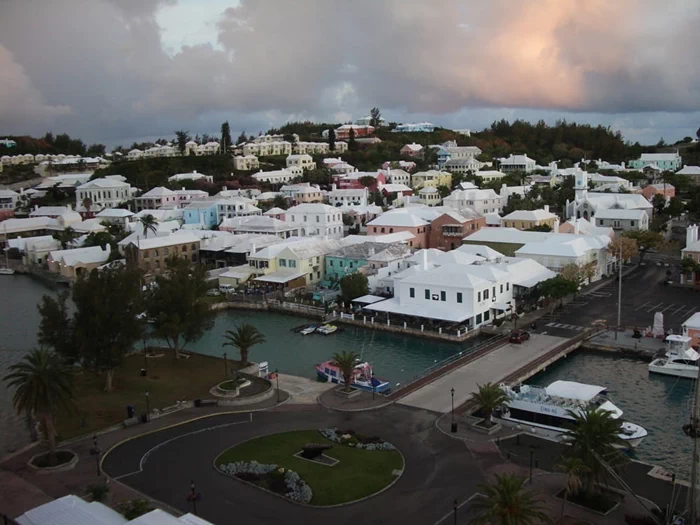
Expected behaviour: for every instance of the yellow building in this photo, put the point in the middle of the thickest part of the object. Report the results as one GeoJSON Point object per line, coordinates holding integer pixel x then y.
{"type": "Point", "coordinates": [431, 178]}
{"type": "Point", "coordinates": [528, 219]}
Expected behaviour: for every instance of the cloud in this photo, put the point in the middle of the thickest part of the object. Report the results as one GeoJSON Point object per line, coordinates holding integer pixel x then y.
{"type": "Point", "coordinates": [99, 68]}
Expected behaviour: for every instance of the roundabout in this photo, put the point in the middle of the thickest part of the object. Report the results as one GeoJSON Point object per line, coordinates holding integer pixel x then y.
{"type": "Point", "coordinates": [341, 473]}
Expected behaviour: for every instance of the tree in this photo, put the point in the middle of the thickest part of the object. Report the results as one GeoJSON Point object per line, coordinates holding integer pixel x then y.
{"type": "Point", "coordinates": [331, 139]}
{"type": "Point", "coordinates": [697, 133]}
{"type": "Point", "coordinates": [353, 286]}
{"type": "Point", "coordinates": [557, 287]}
{"type": "Point", "coordinates": [505, 502]}
{"type": "Point", "coordinates": [352, 144]}
{"type": "Point", "coordinates": [87, 204]}
{"type": "Point", "coordinates": [105, 330]}
{"type": "Point", "coordinates": [225, 137]}
{"type": "Point", "coordinates": [346, 362]}
{"type": "Point", "coordinates": [176, 305]}
{"type": "Point", "coordinates": [101, 239]}
{"type": "Point", "coordinates": [134, 508]}
{"type": "Point", "coordinates": [623, 248]}
{"type": "Point", "coordinates": [149, 223]}
{"type": "Point", "coordinates": [244, 338]}
{"type": "Point", "coordinates": [659, 203]}
{"type": "Point", "coordinates": [594, 436]}
{"type": "Point", "coordinates": [56, 327]}
{"type": "Point", "coordinates": [540, 228]}
{"type": "Point", "coordinates": [489, 397]}
{"type": "Point", "coordinates": [367, 181]}
{"type": "Point", "coordinates": [675, 207]}
{"type": "Point", "coordinates": [66, 237]}
{"type": "Point", "coordinates": [43, 384]}
{"type": "Point", "coordinates": [280, 202]}
{"type": "Point", "coordinates": [574, 468]}
{"type": "Point", "coordinates": [444, 191]}
{"type": "Point", "coordinates": [182, 137]}
{"type": "Point", "coordinates": [646, 240]}
{"type": "Point", "coordinates": [242, 138]}
{"type": "Point", "coordinates": [573, 272]}
{"type": "Point", "coordinates": [375, 117]}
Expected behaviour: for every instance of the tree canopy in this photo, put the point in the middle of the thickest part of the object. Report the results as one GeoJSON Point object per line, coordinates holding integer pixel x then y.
{"type": "Point", "coordinates": [353, 286]}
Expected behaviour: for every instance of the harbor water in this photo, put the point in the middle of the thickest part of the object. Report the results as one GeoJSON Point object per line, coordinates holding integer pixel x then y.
{"type": "Point", "coordinates": [661, 404]}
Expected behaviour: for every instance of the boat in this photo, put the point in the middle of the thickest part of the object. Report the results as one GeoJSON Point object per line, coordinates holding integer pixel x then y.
{"type": "Point", "coordinates": [546, 410]}
{"type": "Point", "coordinates": [308, 330]}
{"type": "Point", "coordinates": [362, 377]}
{"type": "Point", "coordinates": [6, 271]}
{"type": "Point", "coordinates": [680, 360]}
{"type": "Point", "coordinates": [326, 329]}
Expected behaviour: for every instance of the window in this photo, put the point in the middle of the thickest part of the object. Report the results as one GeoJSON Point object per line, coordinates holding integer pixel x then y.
{"type": "Point", "coordinates": [184, 248]}
{"type": "Point", "coordinates": [486, 294]}
{"type": "Point", "coordinates": [507, 286]}
{"type": "Point", "coordinates": [478, 318]}
{"type": "Point", "coordinates": [459, 297]}
{"type": "Point", "coordinates": [412, 292]}
{"type": "Point", "coordinates": [194, 246]}
{"type": "Point", "coordinates": [443, 296]}
{"type": "Point", "coordinates": [165, 251]}
{"type": "Point", "coordinates": [494, 292]}
{"type": "Point", "coordinates": [155, 253]}
{"type": "Point", "coordinates": [318, 219]}
{"type": "Point", "coordinates": [427, 293]}
{"type": "Point", "coordinates": [486, 315]}
{"type": "Point", "coordinates": [382, 230]}
{"type": "Point", "coordinates": [331, 263]}
{"type": "Point", "coordinates": [632, 224]}
{"type": "Point", "coordinates": [478, 297]}
{"type": "Point", "coordinates": [283, 262]}
{"type": "Point", "coordinates": [292, 263]}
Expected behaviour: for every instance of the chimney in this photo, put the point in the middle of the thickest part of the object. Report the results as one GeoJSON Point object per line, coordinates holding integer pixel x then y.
{"type": "Point", "coordinates": [691, 234]}
{"type": "Point", "coordinates": [424, 265]}
{"type": "Point", "coordinates": [252, 249]}
{"type": "Point", "coordinates": [546, 208]}
{"type": "Point", "coordinates": [194, 171]}
{"type": "Point", "coordinates": [333, 187]}
{"type": "Point", "coordinates": [555, 228]}
{"type": "Point", "coordinates": [577, 226]}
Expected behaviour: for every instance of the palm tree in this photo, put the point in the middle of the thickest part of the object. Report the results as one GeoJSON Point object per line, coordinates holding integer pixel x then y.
{"type": "Point", "coordinates": [574, 469]}
{"type": "Point", "coordinates": [505, 502]}
{"type": "Point", "coordinates": [346, 362]}
{"type": "Point", "coordinates": [87, 204]}
{"type": "Point", "coordinates": [244, 337]}
{"type": "Point", "coordinates": [66, 237]}
{"type": "Point", "coordinates": [489, 398]}
{"type": "Point", "coordinates": [149, 223]}
{"type": "Point", "coordinates": [43, 385]}
{"type": "Point", "coordinates": [595, 439]}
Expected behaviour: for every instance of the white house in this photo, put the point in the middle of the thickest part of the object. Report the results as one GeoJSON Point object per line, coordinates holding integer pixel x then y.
{"type": "Point", "coordinates": [103, 193]}
{"type": "Point", "coordinates": [156, 198]}
{"type": "Point", "coordinates": [517, 163]}
{"type": "Point", "coordinates": [586, 203]}
{"type": "Point", "coordinates": [236, 207]}
{"type": "Point", "coordinates": [490, 175]}
{"type": "Point", "coordinates": [429, 196]}
{"type": "Point", "coordinates": [116, 216]}
{"type": "Point", "coordinates": [462, 165]}
{"type": "Point", "coordinates": [191, 176]}
{"type": "Point", "coordinates": [599, 180]}
{"type": "Point", "coordinates": [282, 176]}
{"type": "Point", "coordinates": [8, 201]}
{"type": "Point", "coordinates": [622, 219]}
{"type": "Point", "coordinates": [348, 197]}
{"type": "Point", "coordinates": [301, 161]}
{"type": "Point", "coordinates": [481, 201]}
{"type": "Point", "coordinates": [245, 162]}
{"type": "Point", "coordinates": [263, 149]}
{"type": "Point", "coordinates": [317, 219]}
{"type": "Point", "coordinates": [397, 176]}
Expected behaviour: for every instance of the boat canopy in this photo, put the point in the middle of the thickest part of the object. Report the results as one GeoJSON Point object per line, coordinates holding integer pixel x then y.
{"type": "Point", "coordinates": [573, 390]}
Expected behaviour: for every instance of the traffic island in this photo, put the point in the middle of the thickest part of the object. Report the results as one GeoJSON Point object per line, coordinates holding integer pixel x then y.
{"type": "Point", "coordinates": [65, 460]}
{"type": "Point", "coordinates": [363, 467]}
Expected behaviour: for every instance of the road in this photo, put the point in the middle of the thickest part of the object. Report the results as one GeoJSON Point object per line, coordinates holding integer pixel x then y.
{"type": "Point", "coordinates": [438, 469]}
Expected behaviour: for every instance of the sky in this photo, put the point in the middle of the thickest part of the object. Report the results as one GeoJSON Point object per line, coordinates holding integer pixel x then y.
{"type": "Point", "coordinates": [116, 71]}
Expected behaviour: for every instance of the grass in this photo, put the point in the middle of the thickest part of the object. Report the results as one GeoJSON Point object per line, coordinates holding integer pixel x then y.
{"type": "Point", "coordinates": [360, 473]}
{"type": "Point", "coordinates": [231, 385]}
{"type": "Point", "coordinates": [213, 299]}
{"type": "Point", "coordinates": [168, 380]}
{"type": "Point", "coordinates": [62, 456]}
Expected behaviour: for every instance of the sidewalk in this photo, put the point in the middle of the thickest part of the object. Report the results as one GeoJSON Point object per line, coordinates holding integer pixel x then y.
{"type": "Point", "coordinates": [362, 401]}
{"type": "Point", "coordinates": [645, 346]}
{"type": "Point", "coordinates": [33, 488]}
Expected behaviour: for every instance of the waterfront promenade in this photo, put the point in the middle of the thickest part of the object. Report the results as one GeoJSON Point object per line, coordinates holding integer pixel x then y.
{"type": "Point", "coordinates": [493, 367]}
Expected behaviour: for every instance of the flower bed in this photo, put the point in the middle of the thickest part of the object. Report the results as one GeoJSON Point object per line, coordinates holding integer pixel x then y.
{"type": "Point", "coordinates": [271, 477]}
{"type": "Point", "coordinates": [355, 439]}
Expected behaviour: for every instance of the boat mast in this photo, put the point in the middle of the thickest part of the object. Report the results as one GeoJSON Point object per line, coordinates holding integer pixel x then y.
{"type": "Point", "coordinates": [694, 433]}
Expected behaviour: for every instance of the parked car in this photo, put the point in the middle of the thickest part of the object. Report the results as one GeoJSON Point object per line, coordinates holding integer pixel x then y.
{"type": "Point", "coordinates": [518, 336]}
{"type": "Point", "coordinates": [226, 288]}
{"type": "Point", "coordinates": [213, 292]}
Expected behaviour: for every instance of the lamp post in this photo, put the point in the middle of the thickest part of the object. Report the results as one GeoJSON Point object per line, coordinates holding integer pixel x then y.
{"type": "Point", "coordinates": [192, 497]}
{"type": "Point", "coordinates": [277, 379]}
{"type": "Point", "coordinates": [148, 407]}
{"type": "Point", "coordinates": [455, 506]}
{"type": "Point", "coordinates": [97, 451]}
{"type": "Point", "coordinates": [619, 289]}
{"type": "Point", "coordinates": [454, 423]}
{"type": "Point", "coordinates": [225, 367]}
{"type": "Point", "coordinates": [374, 389]}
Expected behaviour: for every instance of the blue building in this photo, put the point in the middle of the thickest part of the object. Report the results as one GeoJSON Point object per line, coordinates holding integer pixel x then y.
{"type": "Point", "coordinates": [349, 259]}
{"type": "Point", "coordinates": [202, 212]}
{"type": "Point", "coordinates": [420, 127]}
{"type": "Point", "coordinates": [663, 161]}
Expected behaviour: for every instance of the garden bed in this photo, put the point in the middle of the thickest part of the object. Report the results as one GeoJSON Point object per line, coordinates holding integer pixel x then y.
{"type": "Point", "coordinates": [361, 471]}
{"type": "Point", "coordinates": [65, 460]}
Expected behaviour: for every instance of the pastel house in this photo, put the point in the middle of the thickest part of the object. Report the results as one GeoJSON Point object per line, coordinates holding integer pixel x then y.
{"type": "Point", "coordinates": [202, 212]}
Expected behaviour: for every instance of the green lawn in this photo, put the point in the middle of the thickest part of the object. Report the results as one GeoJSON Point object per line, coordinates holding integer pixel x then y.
{"type": "Point", "coordinates": [168, 380]}
{"type": "Point", "coordinates": [360, 473]}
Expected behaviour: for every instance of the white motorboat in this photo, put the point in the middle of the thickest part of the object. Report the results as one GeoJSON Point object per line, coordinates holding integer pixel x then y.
{"type": "Point", "coordinates": [545, 411]}
{"type": "Point", "coordinates": [308, 330]}
{"type": "Point", "coordinates": [6, 271]}
{"type": "Point", "coordinates": [680, 359]}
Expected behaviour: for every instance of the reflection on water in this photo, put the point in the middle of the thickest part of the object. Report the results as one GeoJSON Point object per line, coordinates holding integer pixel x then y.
{"type": "Point", "coordinates": [661, 404]}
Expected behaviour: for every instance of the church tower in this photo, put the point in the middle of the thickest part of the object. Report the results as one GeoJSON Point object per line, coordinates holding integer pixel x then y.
{"type": "Point", "coordinates": [581, 184]}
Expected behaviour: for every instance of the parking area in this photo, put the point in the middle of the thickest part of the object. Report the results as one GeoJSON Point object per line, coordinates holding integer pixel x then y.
{"type": "Point", "coordinates": [643, 294]}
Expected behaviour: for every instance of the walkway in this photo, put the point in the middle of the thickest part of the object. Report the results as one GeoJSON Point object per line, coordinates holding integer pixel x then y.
{"type": "Point", "coordinates": [302, 390]}
{"type": "Point", "coordinates": [492, 367]}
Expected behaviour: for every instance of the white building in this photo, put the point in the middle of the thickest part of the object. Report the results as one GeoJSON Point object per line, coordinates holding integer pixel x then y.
{"type": "Point", "coordinates": [191, 176]}
{"type": "Point", "coordinates": [599, 180]}
{"type": "Point", "coordinates": [301, 161]}
{"type": "Point", "coordinates": [622, 219]}
{"type": "Point", "coordinates": [586, 203]}
{"type": "Point", "coordinates": [317, 219]}
{"type": "Point", "coordinates": [429, 196]}
{"type": "Point", "coordinates": [263, 149]}
{"type": "Point", "coordinates": [282, 176]}
{"type": "Point", "coordinates": [236, 207]}
{"type": "Point", "coordinates": [263, 225]}
{"type": "Point", "coordinates": [490, 175]}
{"type": "Point", "coordinates": [103, 193]}
{"type": "Point", "coordinates": [480, 201]}
{"type": "Point", "coordinates": [348, 197]}
{"type": "Point", "coordinates": [245, 162]}
{"type": "Point", "coordinates": [468, 165]}
{"type": "Point", "coordinates": [517, 163]}
{"type": "Point", "coordinates": [8, 201]}
{"type": "Point", "coordinates": [116, 216]}
{"type": "Point", "coordinates": [397, 176]}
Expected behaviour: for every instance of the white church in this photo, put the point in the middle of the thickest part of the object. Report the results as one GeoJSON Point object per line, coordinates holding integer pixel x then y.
{"type": "Point", "coordinates": [588, 204]}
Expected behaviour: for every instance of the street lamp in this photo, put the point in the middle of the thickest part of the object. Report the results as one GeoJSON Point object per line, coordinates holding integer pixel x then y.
{"type": "Point", "coordinates": [192, 497]}
{"type": "Point", "coordinates": [225, 367]}
{"type": "Point", "coordinates": [148, 407]}
{"type": "Point", "coordinates": [455, 506]}
{"type": "Point", "coordinates": [374, 389]}
{"type": "Point", "coordinates": [277, 378]}
{"type": "Point", "coordinates": [454, 423]}
{"type": "Point", "coordinates": [97, 451]}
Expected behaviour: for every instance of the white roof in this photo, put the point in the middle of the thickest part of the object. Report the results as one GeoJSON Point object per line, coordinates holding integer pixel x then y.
{"type": "Point", "coordinates": [169, 240]}
{"type": "Point", "coordinates": [368, 299]}
{"type": "Point", "coordinates": [414, 147]}
{"type": "Point", "coordinates": [481, 250]}
{"type": "Point", "coordinates": [399, 217]}
{"type": "Point", "coordinates": [693, 321]}
{"type": "Point", "coordinates": [653, 157]}
{"type": "Point", "coordinates": [493, 219]}
{"type": "Point", "coordinates": [391, 237]}
{"type": "Point", "coordinates": [393, 188]}
{"type": "Point", "coordinates": [618, 200]}
{"type": "Point", "coordinates": [88, 225]}
{"type": "Point", "coordinates": [275, 211]}
{"type": "Point", "coordinates": [71, 510]}
{"type": "Point", "coordinates": [490, 174]}
{"type": "Point", "coordinates": [529, 215]}
{"type": "Point", "coordinates": [115, 212]}
{"type": "Point", "coordinates": [29, 224]}
{"type": "Point", "coordinates": [45, 211]}
{"type": "Point", "coordinates": [158, 191]}
{"type": "Point", "coordinates": [104, 184]}
{"type": "Point", "coordinates": [444, 312]}
{"type": "Point", "coordinates": [689, 170]}
{"type": "Point", "coordinates": [573, 390]}
{"type": "Point", "coordinates": [8, 193]}
{"type": "Point", "coordinates": [517, 159]}
{"type": "Point", "coordinates": [280, 276]}
{"type": "Point", "coordinates": [311, 207]}
{"type": "Point", "coordinates": [90, 255]}
{"type": "Point", "coordinates": [428, 189]}
{"type": "Point", "coordinates": [614, 213]}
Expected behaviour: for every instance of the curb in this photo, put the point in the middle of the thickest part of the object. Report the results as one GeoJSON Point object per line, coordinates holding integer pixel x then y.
{"type": "Point", "coordinates": [350, 410]}
{"type": "Point", "coordinates": [306, 505]}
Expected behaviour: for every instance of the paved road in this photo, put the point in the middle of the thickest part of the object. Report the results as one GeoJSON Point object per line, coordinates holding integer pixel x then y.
{"type": "Point", "coordinates": [643, 294]}
{"type": "Point", "coordinates": [438, 469]}
{"type": "Point", "coordinates": [492, 367]}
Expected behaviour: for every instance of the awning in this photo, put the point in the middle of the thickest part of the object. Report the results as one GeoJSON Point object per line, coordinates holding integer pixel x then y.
{"type": "Point", "coordinates": [280, 277]}
{"type": "Point", "coordinates": [426, 311]}
{"type": "Point", "coordinates": [501, 306]}
{"type": "Point", "coordinates": [368, 299]}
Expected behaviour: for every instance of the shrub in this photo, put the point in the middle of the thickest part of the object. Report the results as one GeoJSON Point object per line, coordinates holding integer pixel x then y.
{"type": "Point", "coordinates": [98, 492]}
{"type": "Point", "coordinates": [134, 508]}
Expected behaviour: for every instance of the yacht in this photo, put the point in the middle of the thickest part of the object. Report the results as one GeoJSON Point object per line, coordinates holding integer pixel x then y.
{"type": "Point", "coordinates": [545, 410]}
{"type": "Point", "coordinates": [680, 359]}
{"type": "Point", "coordinates": [362, 377]}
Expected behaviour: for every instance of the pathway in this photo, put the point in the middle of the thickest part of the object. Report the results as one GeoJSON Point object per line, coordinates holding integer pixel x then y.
{"type": "Point", "coordinates": [302, 390]}
{"type": "Point", "coordinates": [492, 367]}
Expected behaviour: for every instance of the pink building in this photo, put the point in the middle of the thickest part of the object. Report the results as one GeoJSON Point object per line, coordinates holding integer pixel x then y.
{"type": "Point", "coordinates": [351, 181]}
{"type": "Point", "coordinates": [401, 221]}
{"type": "Point", "coordinates": [667, 190]}
{"type": "Point", "coordinates": [412, 150]}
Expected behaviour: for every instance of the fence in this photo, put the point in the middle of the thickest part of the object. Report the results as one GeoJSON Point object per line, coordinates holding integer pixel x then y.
{"type": "Point", "coordinates": [397, 325]}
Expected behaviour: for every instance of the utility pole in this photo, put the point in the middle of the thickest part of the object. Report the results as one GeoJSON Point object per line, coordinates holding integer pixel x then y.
{"type": "Point", "coordinates": [693, 496]}
{"type": "Point", "coordinates": [619, 288]}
